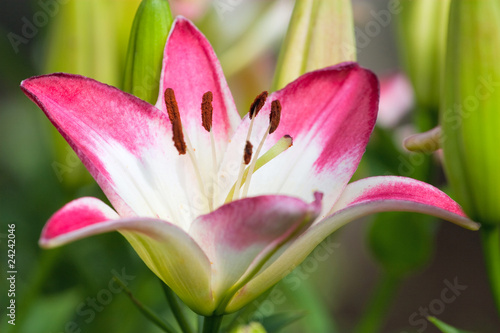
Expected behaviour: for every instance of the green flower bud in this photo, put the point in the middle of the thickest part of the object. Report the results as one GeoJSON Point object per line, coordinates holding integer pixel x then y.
{"type": "Point", "coordinates": [145, 51]}
{"type": "Point", "coordinates": [86, 37]}
{"type": "Point", "coordinates": [422, 37]}
{"type": "Point", "coordinates": [470, 109]}
{"type": "Point", "coordinates": [320, 34]}
{"type": "Point", "coordinates": [89, 37]}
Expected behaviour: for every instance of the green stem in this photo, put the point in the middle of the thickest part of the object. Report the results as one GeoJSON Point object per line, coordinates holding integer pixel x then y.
{"type": "Point", "coordinates": [148, 313]}
{"type": "Point", "coordinates": [491, 247]}
{"type": "Point", "coordinates": [379, 304]}
{"type": "Point", "coordinates": [212, 324]}
{"type": "Point", "coordinates": [176, 309]}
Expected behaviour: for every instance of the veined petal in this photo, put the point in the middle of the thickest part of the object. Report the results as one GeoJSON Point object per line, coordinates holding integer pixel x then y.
{"type": "Point", "coordinates": [361, 198]}
{"type": "Point", "coordinates": [240, 236]}
{"type": "Point", "coordinates": [124, 142]}
{"type": "Point", "coordinates": [191, 68]}
{"type": "Point", "coordinates": [330, 114]}
{"type": "Point", "coordinates": [165, 248]}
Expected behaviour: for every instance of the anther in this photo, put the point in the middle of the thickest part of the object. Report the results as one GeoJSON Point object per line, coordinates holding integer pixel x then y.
{"type": "Point", "coordinates": [257, 104]}
{"type": "Point", "coordinates": [175, 120]}
{"type": "Point", "coordinates": [274, 116]}
{"type": "Point", "coordinates": [207, 110]}
{"type": "Point", "coordinates": [247, 157]}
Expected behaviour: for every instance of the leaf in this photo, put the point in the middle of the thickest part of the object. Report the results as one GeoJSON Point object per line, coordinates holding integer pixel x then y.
{"type": "Point", "coordinates": [275, 323]}
{"type": "Point", "coordinates": [445, 328]}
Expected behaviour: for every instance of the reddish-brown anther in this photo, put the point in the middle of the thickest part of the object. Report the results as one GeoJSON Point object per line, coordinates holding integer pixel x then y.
{"type": "Point", "coordinates": [207, 110]}
{"type": "Point", "coordinates": [274, 116]}
{"type": "Point", "coordinates": [247, 157]}
{"type": "Point", "coordinates": [175, 119]}
{"type": "Point", "coordinates": [257, 104]}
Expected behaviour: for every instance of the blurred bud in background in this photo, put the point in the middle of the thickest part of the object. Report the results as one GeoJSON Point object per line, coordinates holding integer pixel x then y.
{"type": "Point", "coordinates": [470, 109]}
{"type": "Point", "coordinates": [89, 37]}
{"type": "Point", "coordinates": [145, 51]}
{"type": "Point", "coordinates": [422, 27]}
{"type": "Point", "coordinates": [192, 9]}
{"type": "Point", "coordinates": [320, 34]}
{"type": "Point", "coordinates": [396, 99]}
{"type": "Point", "coordinates": [86, 37]}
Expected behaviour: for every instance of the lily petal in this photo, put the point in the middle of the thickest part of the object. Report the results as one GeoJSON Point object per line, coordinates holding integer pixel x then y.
{"type": "Point", "coordinates": [164, 247]}
{"type": "Point", "coordinates": [330, 114]}
{"type": "Point", "coordinates": [191, 68]}
{"type": "Point", "coordinates": [123, 141]}
{"type": "Point", "coordinates": [361, 198]}
{"type": "Point", "coordinates": [240, 236]}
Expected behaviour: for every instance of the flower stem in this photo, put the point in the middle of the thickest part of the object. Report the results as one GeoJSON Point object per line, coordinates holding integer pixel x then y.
{"type": "Point", "coordinates": [491, 246]}
{"type": "Point", "coordinates": [176, 309]}
{"type": "Point", "coordinates": [148, 313]}
{"type": "Point", "coordinates": [212, 324]}
{"type": "Point", "coordinates": [379, 304]}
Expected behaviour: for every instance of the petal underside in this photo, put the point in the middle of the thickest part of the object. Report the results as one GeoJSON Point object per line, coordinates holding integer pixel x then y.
{"type": "Point", "coordinates": [360, 198]}
{"type": "Point", "coordinates": [165, 248]}
{"type": "Point", "coordinates": [240, 236]}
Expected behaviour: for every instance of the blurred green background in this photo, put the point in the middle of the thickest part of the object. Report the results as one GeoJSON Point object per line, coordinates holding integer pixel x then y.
{"type": "Point", "coordinates": [68, 289]}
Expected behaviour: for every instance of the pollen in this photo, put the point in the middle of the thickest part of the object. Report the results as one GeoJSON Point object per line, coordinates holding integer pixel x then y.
{"type": "Point", "coordinates": [274, 116]}
{"type": "Point", "coordinates": [257, 104]}
{"type": "Point", "coordinates": [207, 110]}
{"type": "Point", "coordinates": [247, 157]}
{"type": "Point", "coordinates": [175, 120]}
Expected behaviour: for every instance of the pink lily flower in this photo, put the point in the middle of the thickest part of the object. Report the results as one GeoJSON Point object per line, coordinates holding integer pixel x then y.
{"type": "Point", "coordinates": [218, 221]}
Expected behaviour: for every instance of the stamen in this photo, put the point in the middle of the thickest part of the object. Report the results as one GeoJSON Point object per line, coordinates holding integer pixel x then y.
{"type": "Point", "coordinates": [207, 110]}
{"type": "Point", "coordinates": [274, 120]}
{"type": "Point", "coordinates": [247, 157]}
{"type": "Point", "coordinates": [257, 104]}
{"type": "Point", "coordinates": [206, 118]}
{"type": "Point", "coordinates": [274, 116]}
{"type": "Point", "coordinates": [283, 144]}
{"type": "Point", "coordinates": [175, 120]}
{"type": "Point", "coordinates": [178, 137]}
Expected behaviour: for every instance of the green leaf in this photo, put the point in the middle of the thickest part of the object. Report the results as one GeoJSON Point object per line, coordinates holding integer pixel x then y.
{"type": "Point", "coordinates": [275, 323]}
{"type": "Point", "coordinates": [445, 328]}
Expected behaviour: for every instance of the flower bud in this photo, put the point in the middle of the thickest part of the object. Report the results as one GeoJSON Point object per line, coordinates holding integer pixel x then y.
{"type": "Point", "coordinates": [422, 37]}
{"type": "Point", "coordinates": [86, 37]}
{"type": "Point", "coordinates": [320, 34]}
{"type": "Point", "coordinates": [470, 109]}
{"type": "Point", "coordinates": [89, 37]}
{"type": "Point", "coordinates": [145, 51]}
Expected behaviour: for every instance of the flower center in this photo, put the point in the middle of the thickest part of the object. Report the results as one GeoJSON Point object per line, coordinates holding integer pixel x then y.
{"type": "Point", "coordinates": [251, 161]}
